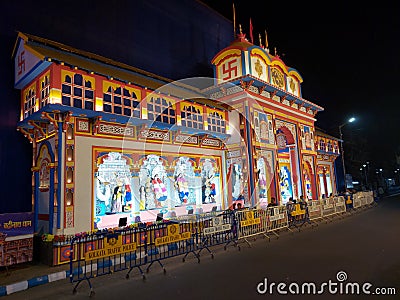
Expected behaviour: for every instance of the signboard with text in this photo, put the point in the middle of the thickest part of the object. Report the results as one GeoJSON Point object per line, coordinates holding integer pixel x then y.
{"type": "Point", "coordinates": [16, 223]}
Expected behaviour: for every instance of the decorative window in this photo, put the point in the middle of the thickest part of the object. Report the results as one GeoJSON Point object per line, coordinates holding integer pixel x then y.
{"type": "Point", "coordinates": [44, 91]}
{"type": "Point", "coordinates": [192, 117]}
{"type": "Point", "coordinates": [329, 146]}
{"type": "Point", "coordinates": [121, 101]}
{"type": "Point", "coordinates": [322, 145]}
{"type": "Point", "coordinates": [29, 102]}
{"type": "Point", "coordinates": [216, 122]}
{"type": "Point", "coordinates": [77, 92]}
{"type": "Point", "coordinates": [277, 78]}
{"type": "Point", "coordinates": [161, 110]}
{"type": "Point", "coordinates": [336, 148]}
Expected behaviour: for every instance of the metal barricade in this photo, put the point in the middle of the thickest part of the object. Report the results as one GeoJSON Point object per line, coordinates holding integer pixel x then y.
{"type": "Point", "coordinates": [370, 198]}
{"type": "Point", "coordinates": [250, 223]}
{"type": "Point", "coordinates": [314, 211]}
{"type": "Point", "coordinates": [297, 214]}
{"type": "Point", "coordinates": [328, 208]}
{"type": "Point", "coordinates": [340, 205]}
{"type": "Point", "coordinates": [357, 200]}
{"type": "Point", "coordinates": [103, 253]}
{"type": "Point", "coordinates": [216, 229]}
{"type": "Point", "coordinates": [170, 239]}
{"type": "Point", "coordinates": [363, 199]}
{"type": "Point", "coordinates": [277, 219]}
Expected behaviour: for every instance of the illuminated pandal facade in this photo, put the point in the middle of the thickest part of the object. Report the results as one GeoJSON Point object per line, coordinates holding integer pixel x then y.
{"type": "Point", "coordinates": [112, 145]}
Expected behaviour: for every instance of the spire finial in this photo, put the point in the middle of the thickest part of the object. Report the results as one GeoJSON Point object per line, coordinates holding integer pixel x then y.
{"type": "Point", "coordinates": [259, 38]}
{"type": "Point", "coordinates": [240, 28]}
{"type": "Point", "coordinates": [275, 51]}
{"type": "Point", "coordinates": [266, 39]}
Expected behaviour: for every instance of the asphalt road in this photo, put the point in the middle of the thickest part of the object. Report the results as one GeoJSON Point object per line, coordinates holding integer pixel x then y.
{"type": "Point", "coordinates": [366, 246]}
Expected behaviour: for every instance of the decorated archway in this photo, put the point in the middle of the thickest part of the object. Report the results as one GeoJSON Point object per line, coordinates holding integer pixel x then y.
{"type": "Point", "coordinates": [44, 173]}
{"type": "Point", "coordinates": [287, 167]}
{"type": "Point", "coordinates": [309, 185]}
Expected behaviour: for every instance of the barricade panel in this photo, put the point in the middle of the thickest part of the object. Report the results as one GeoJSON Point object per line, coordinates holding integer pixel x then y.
{"type": "Point", "coordinates": [170, 239]}
{"type": "Point", "coordinates": [370, 197]}
{"type": "Point", "coordinates": [297, 214]}
{"type": "Point", "coordinates": [250, 222]}
{"type": "Point", "coordinates": [216, 229]}
{"type": "Point", "coordinates": [314, 210]}
{"type": "Point", "coordinates": [103, 253]}
{"type": "Point", "coordinates": [328, 207]}
{"type": "Point", "coordinates": [277, 219]}
{"type": "Point", "coordinates": [357, 202]}
{"type": "Point", "coordinates": [340, 205]}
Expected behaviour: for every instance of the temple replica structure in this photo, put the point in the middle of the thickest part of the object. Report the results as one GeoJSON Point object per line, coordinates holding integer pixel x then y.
{"type": "Point", "coordinates": [113, 144]}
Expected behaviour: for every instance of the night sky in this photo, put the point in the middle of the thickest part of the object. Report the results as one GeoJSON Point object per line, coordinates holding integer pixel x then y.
{"type": "Point", "coordinates": [348, 56]}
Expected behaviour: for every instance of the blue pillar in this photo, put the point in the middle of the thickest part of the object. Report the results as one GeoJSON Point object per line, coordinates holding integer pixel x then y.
{"type": "Point", "coordinates": [36, 201]}
{"type": "Point", "coordinates": [51, 201]}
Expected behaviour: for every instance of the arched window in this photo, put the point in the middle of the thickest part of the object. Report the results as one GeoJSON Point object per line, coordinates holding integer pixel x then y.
{"type": "Point", "coordinates": [77, 92]}
{"type": "Point", "coordinates": [161, 110]}
{"type": "Point", "coordinates": [216, 122]}
{"type": "Point", "coordinates": [122, 102]}
{"type": "Point", "coordinates": [192, 117]}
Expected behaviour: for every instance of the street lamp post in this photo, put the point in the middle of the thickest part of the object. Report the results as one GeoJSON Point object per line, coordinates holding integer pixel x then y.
{"type": "Point", "coordinates": [366, 175]}
{"type": "Point", "coordinates": [341, 148]}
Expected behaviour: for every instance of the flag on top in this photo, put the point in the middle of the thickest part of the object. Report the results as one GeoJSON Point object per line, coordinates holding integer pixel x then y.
{"type": "Point", "coordinates": [251, 32]}
{"type": "Point", "coordinates": [234, 20]}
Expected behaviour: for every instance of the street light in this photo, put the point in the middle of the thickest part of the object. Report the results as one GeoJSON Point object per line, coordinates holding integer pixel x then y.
{"type": "Point", "coordinates": [351, 120]}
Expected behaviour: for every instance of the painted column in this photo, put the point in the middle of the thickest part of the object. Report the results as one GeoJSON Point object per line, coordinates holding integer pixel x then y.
{"type": "Point", "coordinates": [226, 187]}
{"type": "Point", "coordinates": [293, 169]}
{"type": "Point", "coordinates": [314, 179]}
{"type": "Point", "coordinates": [325, 183]}
{"type": "Point", "coordinates": [249, 147]}
{"type": "Point", "coordinates": [229, 183]}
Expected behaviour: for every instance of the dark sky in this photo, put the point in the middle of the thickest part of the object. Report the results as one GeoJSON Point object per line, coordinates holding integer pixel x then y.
{"type": "Point", "coordinates": [348, 56]}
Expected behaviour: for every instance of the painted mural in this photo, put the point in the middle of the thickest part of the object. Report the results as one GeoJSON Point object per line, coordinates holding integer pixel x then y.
{"type": "Point", "coordinates": [113, 179]}
{"type": "Point", "coordinates": [262, 178]}
{"type": "Point", "coordinates": [140, 186]}
{"type": "Point", "coordinates": [285, 183]}
{"type": "Point", "coordinates": [208, 181]}
{"type": "Point", "coordinates": [237, 182]}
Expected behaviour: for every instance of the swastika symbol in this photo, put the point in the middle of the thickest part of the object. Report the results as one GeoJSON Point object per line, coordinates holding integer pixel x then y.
{"type": "Point", "coordinates": [228, 68]}
{"type": "Point", "coordinates": [21, 62]}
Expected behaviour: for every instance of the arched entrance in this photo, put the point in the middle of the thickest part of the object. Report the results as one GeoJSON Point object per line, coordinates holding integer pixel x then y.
{"type": "Point", "coordinates": [44, 189]}
{"type": "Point", "coordinates": [287, 167]}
